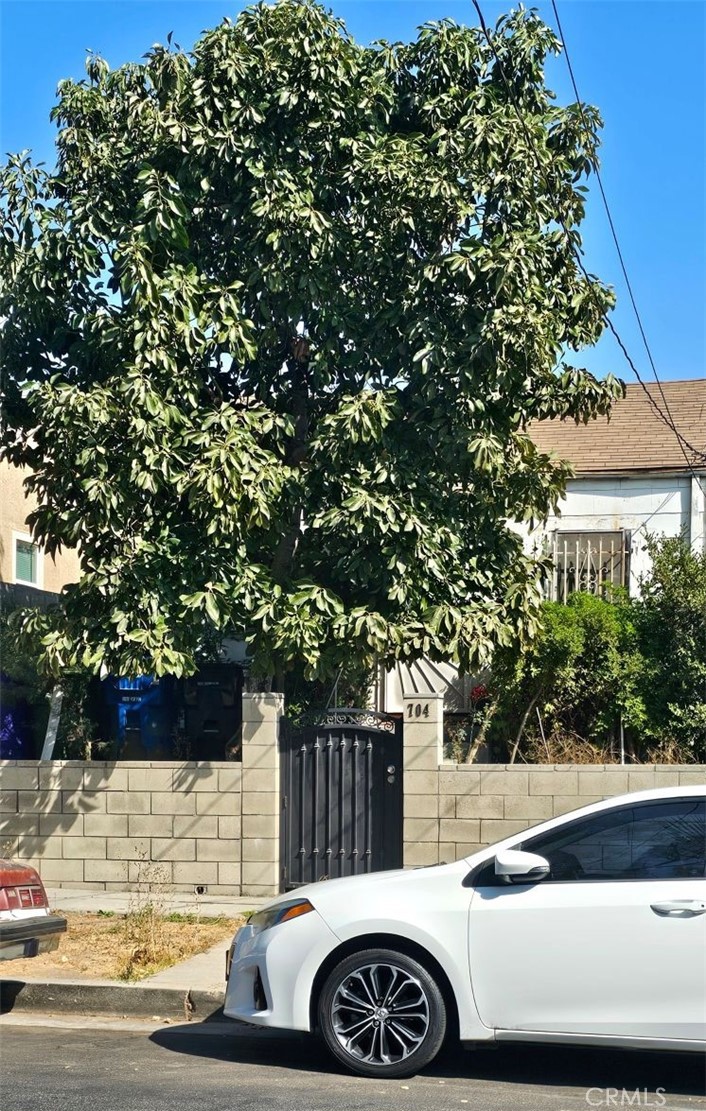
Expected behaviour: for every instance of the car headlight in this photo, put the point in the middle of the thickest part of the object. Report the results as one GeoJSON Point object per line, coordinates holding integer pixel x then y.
{"type": "Point", "coordinates": [268, 917]}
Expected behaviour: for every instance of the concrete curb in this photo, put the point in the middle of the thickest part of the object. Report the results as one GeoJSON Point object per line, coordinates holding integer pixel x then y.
{"type": "Point", "coordinates": [103, 997]}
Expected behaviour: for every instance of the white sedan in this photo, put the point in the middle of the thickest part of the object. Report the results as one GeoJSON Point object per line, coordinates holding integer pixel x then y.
{"type": "Point", "coordinates": [588, 929]}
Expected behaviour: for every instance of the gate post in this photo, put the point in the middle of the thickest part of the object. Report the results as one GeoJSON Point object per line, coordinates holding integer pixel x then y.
{"type": "Point", "coordinates": [423, 748]}
{"type": "Point", "coordinates": [261, 794]}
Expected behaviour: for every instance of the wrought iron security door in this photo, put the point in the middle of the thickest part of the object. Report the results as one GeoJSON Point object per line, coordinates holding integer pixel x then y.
{"type": "Point", "coordinates": [341, 796]}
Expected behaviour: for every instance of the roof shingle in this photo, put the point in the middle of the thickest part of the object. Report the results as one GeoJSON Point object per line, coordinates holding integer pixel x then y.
{"type": "Point", "coordinates": [634, 438]}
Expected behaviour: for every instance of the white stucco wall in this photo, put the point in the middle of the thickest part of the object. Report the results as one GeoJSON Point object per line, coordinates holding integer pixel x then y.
{"type": "Point", "coordinates": [644, 504]}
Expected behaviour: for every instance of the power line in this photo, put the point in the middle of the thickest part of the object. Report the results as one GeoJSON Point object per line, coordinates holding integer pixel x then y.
{"type": "Point", "coordinates": [614, 234]}
{"type": "Point", "coordinates": [667, 420]}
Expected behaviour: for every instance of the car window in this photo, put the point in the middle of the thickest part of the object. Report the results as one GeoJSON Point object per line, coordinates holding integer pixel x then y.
{"type": "Point", "coordinates": [660, 840]}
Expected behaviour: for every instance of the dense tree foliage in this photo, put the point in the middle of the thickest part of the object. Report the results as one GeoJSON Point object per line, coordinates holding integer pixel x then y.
{"type": "Point", "coordinates": [273, 331]}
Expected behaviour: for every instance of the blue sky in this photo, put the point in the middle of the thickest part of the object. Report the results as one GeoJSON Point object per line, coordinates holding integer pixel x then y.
{"type": "Point", "coordinates": [642, 62]}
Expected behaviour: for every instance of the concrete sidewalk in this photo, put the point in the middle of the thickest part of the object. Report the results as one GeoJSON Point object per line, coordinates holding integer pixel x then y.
{"type": "Point", "coordinates": [191, 990]}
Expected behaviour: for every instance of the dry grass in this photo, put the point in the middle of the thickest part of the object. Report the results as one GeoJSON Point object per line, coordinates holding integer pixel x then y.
{"type": "Point", "coordinates": [566, 748]}
{"type": "Point", "coordinates": [127, 947]}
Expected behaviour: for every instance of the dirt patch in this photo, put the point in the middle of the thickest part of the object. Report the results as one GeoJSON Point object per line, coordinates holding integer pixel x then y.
{"type": "Point", "coordinates": [106, 946]}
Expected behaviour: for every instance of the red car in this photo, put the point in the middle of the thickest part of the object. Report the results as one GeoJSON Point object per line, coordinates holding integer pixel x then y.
{"type": "Point", "coordinates": [26, 926]}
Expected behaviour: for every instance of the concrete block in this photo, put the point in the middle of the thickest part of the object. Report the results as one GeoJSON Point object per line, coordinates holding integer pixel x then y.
{"type": "Point", "coordinates": [105, 777]}
{"type": "Point", "coordinates": [64, 825]}
{"type": "Point", "coordinates": [14, 778]}
{"type": "Point", "coordinates": [263, 708]}
{"type": "Point", "coordinates": [421, 829]}
{"type": "Point", "coordinates": [53, 777]}
{"type": "Point", "coordinates": [217, 804]}
{"type": "Point", "coordinates": [170, 849]}
{"type": "Point", "coordinates": [666, 777]}
{"type": "Point", "coordinates": [43, 848]}
{"type": "Point", "coordinates": [209, 848]}
{"type": "Point", "coordinates": [504, 781]}
{"type": "Point", "coordinates": [150, 779]}
{"type": "Point", "coordinates": [418, 856]}
{"type": "Point", "coordinates": [8, 802]}
{"type": "Point", "coordinates": [203, 777]}
{"type": "Point", "coordinates": [229, 873]}
{"type": "Point", "coordinates": [129, 848]}
{"type": "Point", "coordinates": [128, 802]}
{"type": "Point", "coordinates": [421, 806]}
{"type": "Point", "coordinates": [39, 802]}
{"type": "Point", "coordinates": [106, 871]}
{"type": "Point", "coordinates": [105, 825]}
{"type": "Point", "coordinates": [264, 874]}
{"type": "Point", "coordinates": [459, 829]}
{"type": "Point", "coordinates": [642, 780]}
{"type": "Point", "coordinates": [464, 849]}
{"type": "Point", "coordinates": [84, 848]}
{"type": "Point", "coordinates": [260, 849]}
{"type": "Point", "coordinates": [168, 802]}
{"type": "Point", "coordinates": [555, 783]}
{"type": "Point", "coordinates": [259, 802]}
{"type": "Point", "coordinates": [492, 830]}
{"type": "Point", "coordinates": [480, 806]}
{"type": "Point", "coordinates": [259, 779]}
{"type": "Point", "coordinates": [564, 804]}
{"type": "Point", "coordinates": [535, 807]}
{"type": "Point", "coordinates": [448, 804]}
{"type": "Point", "coordinates": [196, 826]}
{"type": "Point", "coordinates": [229, 828]}
{"type": "Point", "coordinates": [258, 825]}
{"type": "Point", "coordinates": [265, 757]}
{"type": "Point", "coordinates": [459, 782]}
{"type": "Point", "coordinates": [84, 802]}
{"type": "Point", "coordinates": [60, 871]}
{"type": "Point", "coordinates": [611, 781]}
{"type": "Point", "coordinates": [692, 776]}
{"type": "Point", "coordinates": [16, 825]}
{"type": "Point", "coordinates": [150, 825]}
{"type": "Point", "coordinates": [420, 760]}
{"type": "Point", "coordinates": [447, 852]}
{"type": "Point", "coordinates": [231, 779]}
{"type": "Point", "coordinates": [421, 783]}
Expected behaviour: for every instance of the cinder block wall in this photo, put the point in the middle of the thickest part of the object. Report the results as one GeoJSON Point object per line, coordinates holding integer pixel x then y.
{"type": "Point", "coordinates": [454, 810]}
{"type": "Point", "coordinates": [112, 825]}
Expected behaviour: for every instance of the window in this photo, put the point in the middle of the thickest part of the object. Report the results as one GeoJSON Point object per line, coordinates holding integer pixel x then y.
{"type": "Point", "coordinates": [589, 562]}
{"type": "Point", "coordinates": [27, 561]}
{"type": "Point", "coordinates": [660, 840]}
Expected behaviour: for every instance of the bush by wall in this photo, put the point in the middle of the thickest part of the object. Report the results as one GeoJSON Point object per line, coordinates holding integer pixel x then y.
{"type": "Point", "coordinates": [604, 670]}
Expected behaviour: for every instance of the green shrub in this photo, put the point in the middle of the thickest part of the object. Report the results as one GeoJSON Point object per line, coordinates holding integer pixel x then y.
{"type": "Point", "coordinates": [598, 664]}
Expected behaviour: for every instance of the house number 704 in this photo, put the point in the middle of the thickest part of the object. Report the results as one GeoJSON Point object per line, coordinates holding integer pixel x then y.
{"type": "Point", "coordinates": [418, 710]}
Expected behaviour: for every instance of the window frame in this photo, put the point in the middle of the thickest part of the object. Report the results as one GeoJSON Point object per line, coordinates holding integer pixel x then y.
{"type": "Point", "coordinates": [625, 535]}
{"type": "Point", "coordinates": [27, 538]}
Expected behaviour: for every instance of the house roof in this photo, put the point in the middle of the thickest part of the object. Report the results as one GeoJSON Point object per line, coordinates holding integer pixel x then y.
{"type": "Point", "coordinates": [634, 438]}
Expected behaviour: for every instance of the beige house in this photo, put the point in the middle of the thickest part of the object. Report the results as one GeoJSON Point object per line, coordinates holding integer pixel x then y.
{"type": "Point", "coordinates": [23, 563]}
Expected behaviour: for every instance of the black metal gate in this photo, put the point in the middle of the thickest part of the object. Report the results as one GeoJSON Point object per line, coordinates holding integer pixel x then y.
{"type": "Point", "coordinates": [341, 796]}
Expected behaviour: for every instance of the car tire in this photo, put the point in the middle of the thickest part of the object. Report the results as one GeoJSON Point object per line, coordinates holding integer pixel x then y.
{"type": "Point", "coordinates": [382, 1014]}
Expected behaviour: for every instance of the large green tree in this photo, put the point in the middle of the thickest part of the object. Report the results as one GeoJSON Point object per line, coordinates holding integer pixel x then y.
{"type": "Point", "coordinates": [273, 331]}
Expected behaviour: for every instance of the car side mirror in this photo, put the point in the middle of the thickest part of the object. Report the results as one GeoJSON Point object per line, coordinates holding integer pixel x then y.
{"type": "Point", "coordinates": [515, 866]}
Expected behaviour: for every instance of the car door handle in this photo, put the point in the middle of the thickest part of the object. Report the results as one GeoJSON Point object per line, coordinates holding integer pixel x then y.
{"type": "Point", "coordinates": [680, 908]}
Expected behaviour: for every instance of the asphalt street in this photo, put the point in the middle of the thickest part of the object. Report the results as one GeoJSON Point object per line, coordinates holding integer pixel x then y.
{"type": "Point", "coordinates": [94, 1067]}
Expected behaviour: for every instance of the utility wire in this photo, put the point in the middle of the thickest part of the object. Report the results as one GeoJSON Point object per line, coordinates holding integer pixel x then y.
{"type": "Point", "coordinates": [667, 420]}
{"type": "Point", "coordinates": [618, 249]}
